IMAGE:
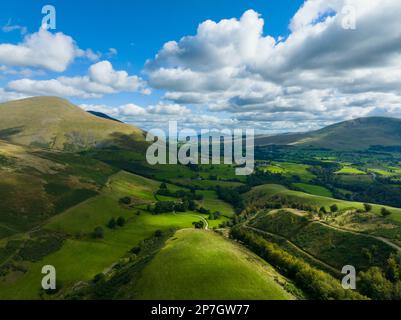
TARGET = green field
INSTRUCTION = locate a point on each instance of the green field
(213, 203)
(350, 170)
(221, 171)
(206, 184)
(312, 189)
(202, 265)
(290, 169)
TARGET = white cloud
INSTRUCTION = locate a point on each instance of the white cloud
(154, 116)
(112, 52)
(103, 73)
(43, 49)
(320, 73)
(7, 96)
(101, 79)
(13, 27)
(168, 109)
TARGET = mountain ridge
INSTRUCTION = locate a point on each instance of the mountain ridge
(357, 134)
(55, 123)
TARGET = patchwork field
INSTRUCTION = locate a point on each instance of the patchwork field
(290, 169)
(350, 170)
(81, 257)
(313, 189)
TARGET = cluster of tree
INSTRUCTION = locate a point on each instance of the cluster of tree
(163, 207)
(382, 284)
(231, 196)
(114, 223)
(214, 215)
(317, 284)
(171, 206)
(198, 224)
(182, 194)
(260, 177)
(203, 210)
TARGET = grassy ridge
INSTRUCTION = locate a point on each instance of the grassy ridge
(335, 247)
(55, 123)
(263, 194)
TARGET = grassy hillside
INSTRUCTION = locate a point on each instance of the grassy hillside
(76, 224)
(202, 265)
(355, 134)
(282, 222)
(331, 245)
(266, 193)
(55, 123)
(37, 184)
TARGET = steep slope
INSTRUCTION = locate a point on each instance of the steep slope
(37, 184)
(358, 134)
(55, 123)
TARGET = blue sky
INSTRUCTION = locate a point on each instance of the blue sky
(137, 29)
(290, 74)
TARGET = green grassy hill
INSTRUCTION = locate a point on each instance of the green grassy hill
(358, 134)
(198, 264)
(55, 123)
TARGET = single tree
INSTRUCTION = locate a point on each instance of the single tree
(98, 233)
(385, 212)
(112, 223)
(368, 207)
(158, 233)
(334, 208)
(121, 221)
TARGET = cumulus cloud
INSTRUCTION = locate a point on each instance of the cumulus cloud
(43, 49)
(102, 79)
(168, 109)
(158, 115)
(320, 72)
(7, 96)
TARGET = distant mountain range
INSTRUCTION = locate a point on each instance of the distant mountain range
(55, 123)
(358, 134)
